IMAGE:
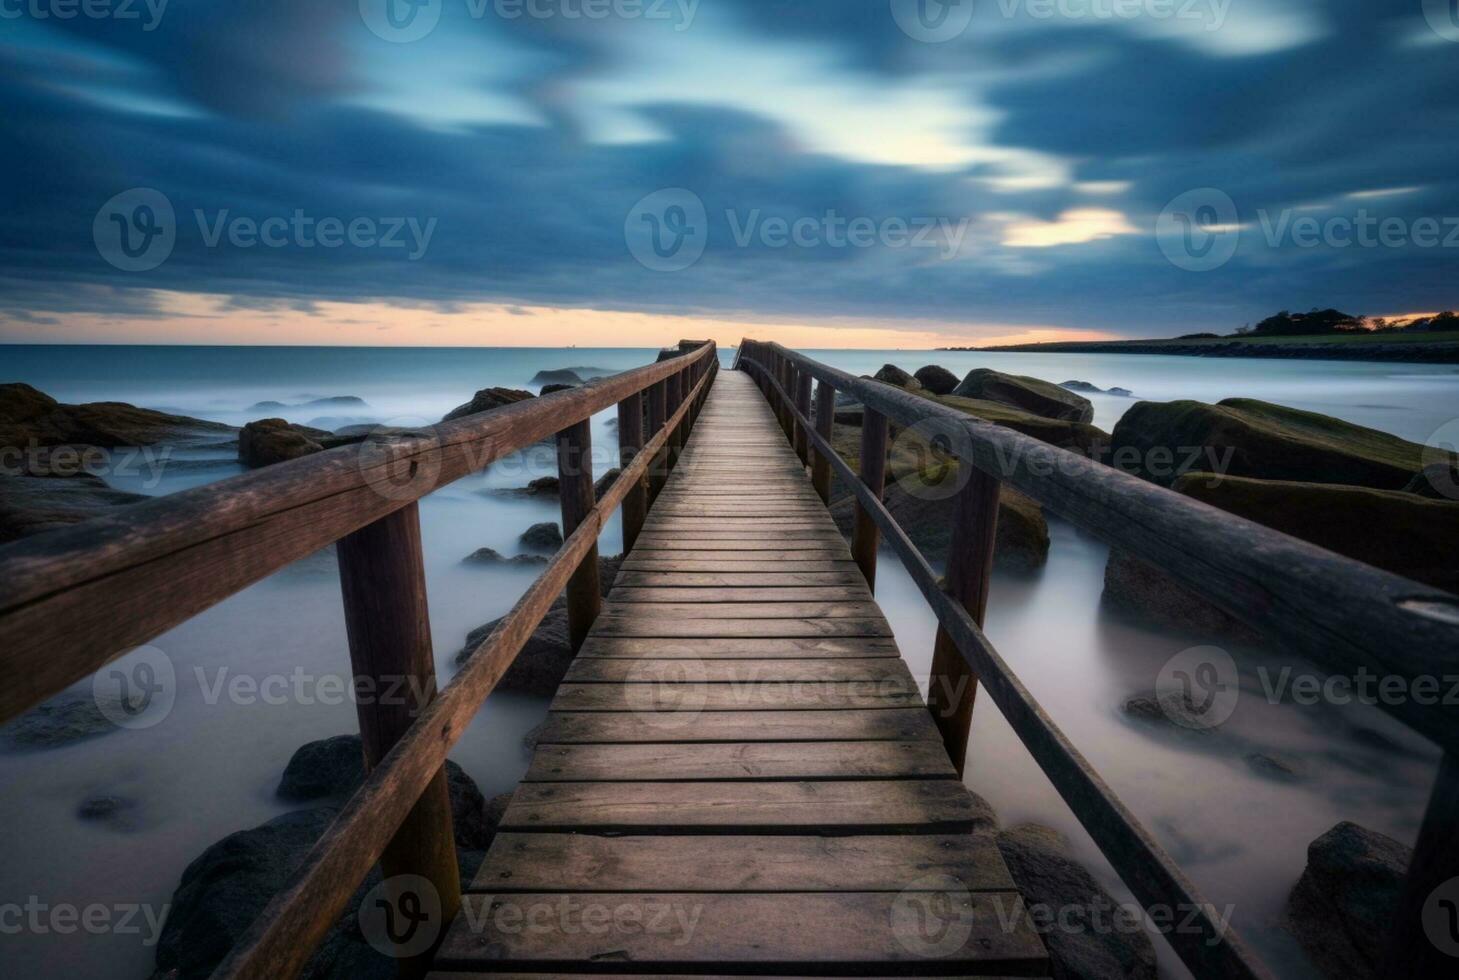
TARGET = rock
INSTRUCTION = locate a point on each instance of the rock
(1121, 392)
(1053, 885)
(938, 380)
(65, 719)
(490, 556)
(33, 504)
(1342, 907)
(117, 812)
(29, 417)
(1022, 542)
(601, 485)
(549, 486)
(893, 375)
(546, 536)
(554, 389)
(487, 399)
(1273, 767)
(333, 768)
(559, 376)
(1266, 441)
(1079, 437)
(338, 401)
(1438, 481)
(269, 441)
(1172, 709)
(1026, 394)
(1403, 533)
(1084, 386)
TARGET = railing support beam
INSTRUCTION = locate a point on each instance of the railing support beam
(630, 443)
(953, 685)
(575, 477)
(802, 405)
(825, 419)
(658, 412)
(865, 535)
(382, 578)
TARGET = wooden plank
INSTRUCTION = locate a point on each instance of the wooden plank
(817, 543)
(815, 593)
(604, 670)
(801, 933)
(735, 580)
(610, 625)
(558, 974)
(720, 562)
(872, 724)
(889, 806)
(749, 648)
(850, 609)
(742, 760)
(695, 696)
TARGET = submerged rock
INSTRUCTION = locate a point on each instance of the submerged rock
(1143, 593)
(65, 719)
(490, 556)
(546, 536)
(602, 483)
(1342, 907)
(1055, 889)
(1273, 767)
(1161, 441)
(487, 399)
(938, 380)
(555, 388)
(1027, 394)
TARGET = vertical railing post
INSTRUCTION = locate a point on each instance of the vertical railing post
(575, 489)
(382, 579)
(658, 405)
(630, 443)
(953, 686)
(787, 386)
(803, 406)
(864, 535)
(825, 418)
(675, 399)
(1412, 951)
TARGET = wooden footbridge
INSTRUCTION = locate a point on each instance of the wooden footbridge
(737, 775)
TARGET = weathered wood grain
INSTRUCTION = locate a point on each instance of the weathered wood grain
(874, 724)
(663, 762)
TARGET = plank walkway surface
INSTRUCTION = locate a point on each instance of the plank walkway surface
(738, 775)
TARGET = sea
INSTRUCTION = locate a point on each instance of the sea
(258, 674)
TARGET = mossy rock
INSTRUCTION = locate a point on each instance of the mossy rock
(1266, 441)
(1025, 394)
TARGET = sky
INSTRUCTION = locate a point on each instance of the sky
(828, 173)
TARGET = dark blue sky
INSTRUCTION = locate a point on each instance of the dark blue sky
(1033, 144)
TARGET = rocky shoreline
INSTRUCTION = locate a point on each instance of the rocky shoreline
(1418, 352)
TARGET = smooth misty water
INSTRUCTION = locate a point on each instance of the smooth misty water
(211, 766)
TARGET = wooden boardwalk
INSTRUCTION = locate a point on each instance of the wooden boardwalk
(738, 775)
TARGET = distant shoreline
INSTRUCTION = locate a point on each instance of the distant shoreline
(1434, 349)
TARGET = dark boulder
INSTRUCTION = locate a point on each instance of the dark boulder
(544, 486)
(1053, 884)
(601, 485)
(546, 536)
(1026, 394)
(269, 441)
(1261, 440)
(487, 399)
(893, 375)
(936, 379)
(29, 417)
(490, 556)
(33, 504)
(557, 376)
(1080, 437)
(1342, 907)
(555, 388)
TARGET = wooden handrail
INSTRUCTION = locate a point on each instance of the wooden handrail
(100, 588)
(1118, 506)
(284, 936)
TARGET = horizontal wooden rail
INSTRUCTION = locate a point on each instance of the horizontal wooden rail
(1340, 613)
(1209, 948)
(97, 589)
(284, 936)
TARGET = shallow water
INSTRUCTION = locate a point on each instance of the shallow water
(210, 767)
